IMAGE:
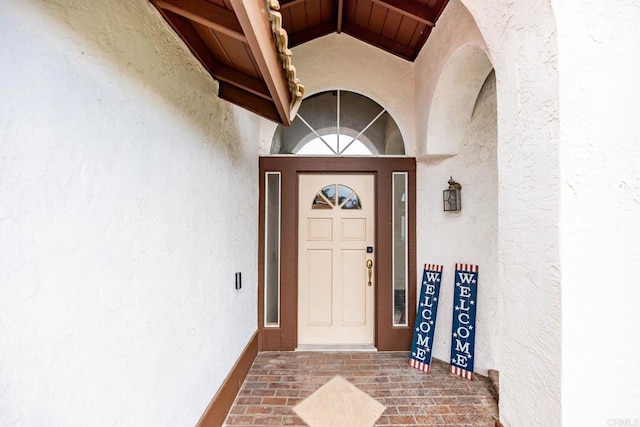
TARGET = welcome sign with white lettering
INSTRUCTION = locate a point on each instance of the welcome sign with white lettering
(464, 320)
(425, 325)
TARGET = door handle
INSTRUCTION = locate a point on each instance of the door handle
(370, 266)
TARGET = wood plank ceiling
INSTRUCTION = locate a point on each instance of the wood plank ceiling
(234, 40)
(400, 27)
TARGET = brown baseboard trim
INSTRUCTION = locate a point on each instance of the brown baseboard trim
(217, 411)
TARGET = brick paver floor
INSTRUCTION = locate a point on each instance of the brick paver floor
(277, 381)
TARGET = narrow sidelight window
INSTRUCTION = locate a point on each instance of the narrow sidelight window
(400, 249)
(272, 250)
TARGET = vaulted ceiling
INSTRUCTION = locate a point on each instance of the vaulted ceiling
(400, 27)
(244, 44)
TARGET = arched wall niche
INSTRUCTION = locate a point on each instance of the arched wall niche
(454, 99)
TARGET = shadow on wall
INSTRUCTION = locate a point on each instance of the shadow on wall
(133, 40)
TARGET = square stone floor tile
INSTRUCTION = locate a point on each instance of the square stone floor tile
(338, 402)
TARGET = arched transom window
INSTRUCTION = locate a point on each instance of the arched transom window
(339, 123)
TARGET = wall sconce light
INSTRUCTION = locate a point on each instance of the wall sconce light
(451, 197)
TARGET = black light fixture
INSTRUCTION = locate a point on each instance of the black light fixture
(451, 197)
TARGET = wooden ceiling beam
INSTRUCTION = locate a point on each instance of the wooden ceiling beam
(300, 37)
(251, 102)
(243, 81)
(218, 71)
(418, 11)
(284, 4)
(254, 20)
(380, 41)
(339, 14)
(208, 14)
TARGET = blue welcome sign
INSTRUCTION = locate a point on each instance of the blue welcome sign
(425, 325)
(464, 320)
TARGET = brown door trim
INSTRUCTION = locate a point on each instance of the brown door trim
(387, 337)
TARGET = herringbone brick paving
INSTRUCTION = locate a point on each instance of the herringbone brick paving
(277, 381)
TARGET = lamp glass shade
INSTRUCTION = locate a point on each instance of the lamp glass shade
(451, 199)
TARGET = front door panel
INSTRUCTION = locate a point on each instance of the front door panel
(336, 223)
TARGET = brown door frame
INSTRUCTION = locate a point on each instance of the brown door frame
(387, 337)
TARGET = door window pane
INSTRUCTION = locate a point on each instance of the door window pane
(330, 193)
(400, 249)
(346, 198)
(321, 202)
(352, 203)
(344, 193)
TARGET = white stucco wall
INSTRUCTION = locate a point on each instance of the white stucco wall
(469, 236)
(523, 52)
(129, 200)
(599, 53)
(459, 143)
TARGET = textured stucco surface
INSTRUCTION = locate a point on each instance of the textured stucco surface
(523, 52)
(129, 199)
(600, 236)
(469, 236)
(457, 128)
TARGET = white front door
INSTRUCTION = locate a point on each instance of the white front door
(336, 224)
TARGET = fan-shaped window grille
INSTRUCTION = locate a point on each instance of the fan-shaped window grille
(336, 195)
(339, 123)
